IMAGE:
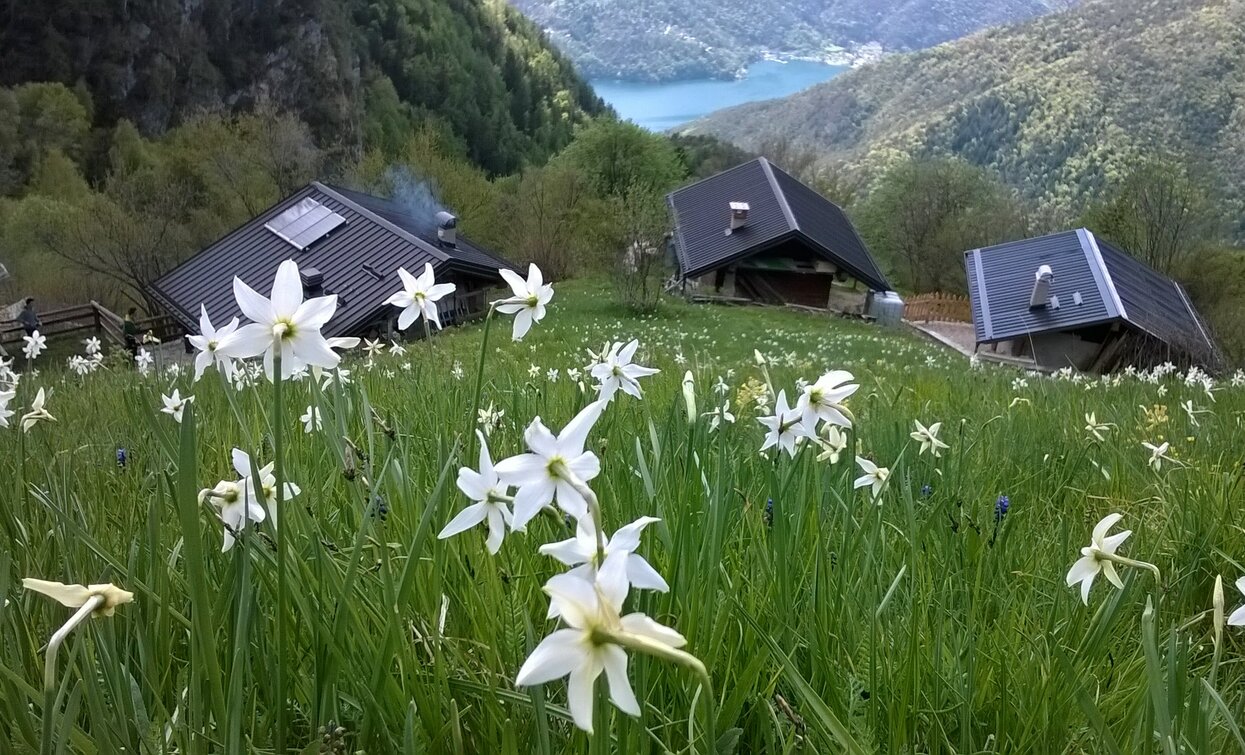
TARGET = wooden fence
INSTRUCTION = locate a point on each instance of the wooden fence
(939, 307)
(93, 318)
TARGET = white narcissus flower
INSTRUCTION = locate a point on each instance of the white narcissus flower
(234, 507)
(208, 343)
(284, 324)
(582, 552)
(311, 420)
(143, 361)
(1157, 454)
(372, 348)
(1093, 558)
(38, 412)
(928, 438)
(874, 477)
(5, 412)
(785, 425)
(419, 296)
(175, 405)
(833, 442)
(76, 596)
(529, 300)
(92, 345)
(35, 344)
(1095, 428)
(823, 400)
(616, 372)
(1237, 619)
(589, 643)
(490, 496)
(719, 414)
(545, 473)
(247, 471)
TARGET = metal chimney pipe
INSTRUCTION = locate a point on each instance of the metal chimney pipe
(447, 229)
(1041, 287)
(739, 216)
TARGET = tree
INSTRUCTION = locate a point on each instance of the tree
(640, 217)
(1158, 213)
(924, 214)
(618, 156)
(130, 235)
(549, 217)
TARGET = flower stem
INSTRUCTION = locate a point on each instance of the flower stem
(594, 509)
(656, 649)
(475, 403)
(49, 666)
(278, 439)
(1158, 578)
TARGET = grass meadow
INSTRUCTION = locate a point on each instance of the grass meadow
(937, 621)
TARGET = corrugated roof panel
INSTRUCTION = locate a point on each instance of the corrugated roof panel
(1154, 302)
(779, 206)
(825, 223)
(252, 252)
(465, 251)
(1008, 270)
(702, 215)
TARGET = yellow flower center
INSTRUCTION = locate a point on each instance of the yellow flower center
(283, 329)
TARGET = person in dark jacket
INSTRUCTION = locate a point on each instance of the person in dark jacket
(28, 318)
(129, 329)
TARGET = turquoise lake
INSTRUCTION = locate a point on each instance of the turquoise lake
(665, 105)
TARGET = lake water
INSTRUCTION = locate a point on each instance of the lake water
(665, 105)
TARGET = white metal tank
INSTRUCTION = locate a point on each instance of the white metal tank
(887, 308)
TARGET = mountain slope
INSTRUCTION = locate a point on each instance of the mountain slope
(1057, 106)
(679, 39)
(477, 65)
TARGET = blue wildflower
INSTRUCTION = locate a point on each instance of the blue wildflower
(769, 513)
(1000, 507)
(122, 457)
(927, 490)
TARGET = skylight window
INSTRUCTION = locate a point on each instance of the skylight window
(305, 223)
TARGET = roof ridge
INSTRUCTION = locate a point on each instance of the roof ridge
(1093, 255)
(768, 168)
(390, 226)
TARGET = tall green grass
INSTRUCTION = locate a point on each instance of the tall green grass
(828, 624)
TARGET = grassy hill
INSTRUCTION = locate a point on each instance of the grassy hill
(678, 39)
(1058, 106)
(932, 617)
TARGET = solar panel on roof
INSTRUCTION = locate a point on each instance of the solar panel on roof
(305, 223)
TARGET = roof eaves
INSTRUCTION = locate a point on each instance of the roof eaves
(432, 251)
(829, 254)
(1102, 274)
(756, 248)
(678, 234)
(782, 198)
(1184, 297)
(175, 309)
(987, 326)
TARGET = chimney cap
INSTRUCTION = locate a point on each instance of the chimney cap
(446, 220)
(739, 207)
(1044, 271)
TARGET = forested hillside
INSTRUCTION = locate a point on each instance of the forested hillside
(680, 39)
(1059, 107)
(350, 70)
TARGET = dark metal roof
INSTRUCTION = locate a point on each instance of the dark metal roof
(780, 208)
(377, 236)
(1155, 303)
(1111, 286)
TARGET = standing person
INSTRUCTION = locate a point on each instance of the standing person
(28, 318)
(129, 329)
